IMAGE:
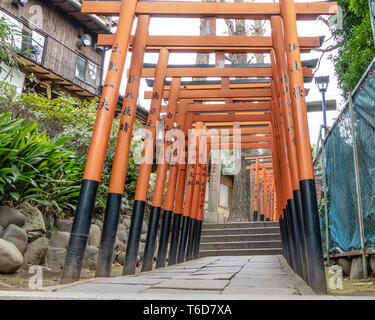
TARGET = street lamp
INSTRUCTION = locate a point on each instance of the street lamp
(322, 84)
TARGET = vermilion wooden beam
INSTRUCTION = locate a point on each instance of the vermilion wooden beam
(212, 72)
(230, 107)
(257, 125)
(212, 43)
(243, 145)
(244, 131)
(264, 165)
(263, 50)
(218, 86)
(245, 139)
(228, 93)
(235, 99)
(258, 157)
(232, 117)
(219, 72)
(232, 10)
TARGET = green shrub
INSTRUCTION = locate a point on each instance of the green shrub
(67, 116)
(34, 168)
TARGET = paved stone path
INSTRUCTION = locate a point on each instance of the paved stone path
(210, 278)
(222, 276)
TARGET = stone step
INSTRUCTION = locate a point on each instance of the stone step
(239, 252)
(232, 225)
(236, 231)
(241, 245)
(241, 237)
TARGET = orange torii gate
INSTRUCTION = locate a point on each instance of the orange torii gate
(292, 165)
(260, 172)
(221, 117)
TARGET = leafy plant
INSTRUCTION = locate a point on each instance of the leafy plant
(8, 50)
(356, 49)
(34, 168)
(60, 118)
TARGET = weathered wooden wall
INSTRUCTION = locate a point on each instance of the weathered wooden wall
(62, 33)
(56, 23)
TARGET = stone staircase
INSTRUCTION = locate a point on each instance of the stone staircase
(240, 239)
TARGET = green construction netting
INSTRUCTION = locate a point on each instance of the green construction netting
(343, 221)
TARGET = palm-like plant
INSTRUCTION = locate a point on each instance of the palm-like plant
(8, 49)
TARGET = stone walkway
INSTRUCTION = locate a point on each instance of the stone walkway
(210, 278)
(223, 276)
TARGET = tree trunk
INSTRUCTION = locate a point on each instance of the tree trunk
(241, 199)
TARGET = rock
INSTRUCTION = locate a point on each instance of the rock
(372, 263)
(121, 258)
(2, 229)
(143, 237)
(126, 222)
(345, 264)
(156, 250)
(11, 216)
(33, 235)
(94, 236)
(99, 224)
(123, 235)
(64, 225)
(59, 239)
(34, 226)
(141, 248)
(121, 227)
(91, 257)
(17, 236)
(35, 252)
(117, 242)
(356, 270)
(10, 257)
(49, 221)
(120, 219)
(144, 227)
(121, 246)
(55, 258)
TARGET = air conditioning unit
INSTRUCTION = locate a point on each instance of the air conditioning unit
(98, 49)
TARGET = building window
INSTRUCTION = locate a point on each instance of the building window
(224, 196)
(91, 75)
(28, 42)
(32, 45)
(80, 68)
(86, 70)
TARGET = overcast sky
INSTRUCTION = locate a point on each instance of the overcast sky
(169, 26)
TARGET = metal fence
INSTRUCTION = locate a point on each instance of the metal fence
(345, 174)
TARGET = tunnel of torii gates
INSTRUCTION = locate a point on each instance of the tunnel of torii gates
(266, 112)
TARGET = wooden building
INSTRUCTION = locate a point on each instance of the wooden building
(57, 44)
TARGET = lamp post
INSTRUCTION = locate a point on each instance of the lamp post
(322, 84)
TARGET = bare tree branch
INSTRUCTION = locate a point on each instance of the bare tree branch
(318, 65)
(329, 48)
